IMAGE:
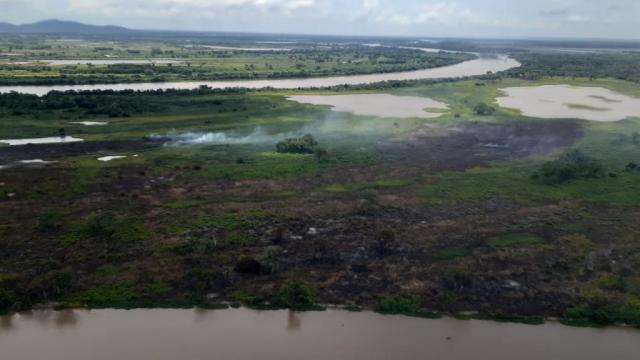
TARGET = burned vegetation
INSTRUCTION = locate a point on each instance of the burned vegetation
(485, 215)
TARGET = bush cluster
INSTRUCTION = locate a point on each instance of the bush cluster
(303, 145)
(573, 165)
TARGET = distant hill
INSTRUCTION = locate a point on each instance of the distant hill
(6, 27)
(61, 27)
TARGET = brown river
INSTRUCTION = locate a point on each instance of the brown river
(239, 334)
(478, 66)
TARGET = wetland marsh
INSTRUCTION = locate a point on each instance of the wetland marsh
(570, 102)
(379, 105)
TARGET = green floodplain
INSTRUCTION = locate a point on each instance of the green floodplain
(39, 60)
(219, 199)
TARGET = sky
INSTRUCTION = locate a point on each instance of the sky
(618, 19)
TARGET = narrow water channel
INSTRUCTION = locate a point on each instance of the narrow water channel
(478, 66)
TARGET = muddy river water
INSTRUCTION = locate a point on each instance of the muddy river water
(281, 335)
(382, 105)
(563, 101)
(478, 66)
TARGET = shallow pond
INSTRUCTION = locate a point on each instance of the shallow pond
(280, 335)
(45, 140)
(111, 157)
(381, 105)
(563, 101)
(35, 161)
(478, 66)
(90, 123)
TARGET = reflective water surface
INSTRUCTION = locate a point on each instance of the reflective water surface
(564, 101)
(382, 105)
(280, 335)
(45, 140)
(468, 68)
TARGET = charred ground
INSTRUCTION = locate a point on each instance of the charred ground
(444, 216)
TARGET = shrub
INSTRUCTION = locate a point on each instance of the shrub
(452, 254)
(297, 296)
(116, 296)
(303, 145)
(353, 307)
(240, 239)
(457, 279)
(612, 283)
(404, 305)
(587, 317)
(196, 245)
(321, 155)
(398, 305)
(592, 316)
(59, 281)
(201, 281)
(158, 288)
(49, 222)
(111, 228)
(251, 301)
(501, 317)
(7, 300)
(483, 109)
(271, 259)
(573, 165)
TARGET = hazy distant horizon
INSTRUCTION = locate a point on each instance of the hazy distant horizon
(293, 34)
(497, 19)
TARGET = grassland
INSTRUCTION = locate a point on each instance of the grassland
(413, 216)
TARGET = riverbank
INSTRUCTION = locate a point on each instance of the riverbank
(480, 66)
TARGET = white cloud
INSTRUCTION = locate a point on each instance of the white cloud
(445, 13)
(370, 4)
(614, 18)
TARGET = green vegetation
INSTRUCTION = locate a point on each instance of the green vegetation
(353, 308)
(297, 296)
(178, 59)
(452, 254)
(522, 319)
(405, 305)
(108, 228)
(292, 295)
(573, 165)
(515, 183)
(116, 296)
(303, 145)
(618, 65)
(483, 109)
(598, 317)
